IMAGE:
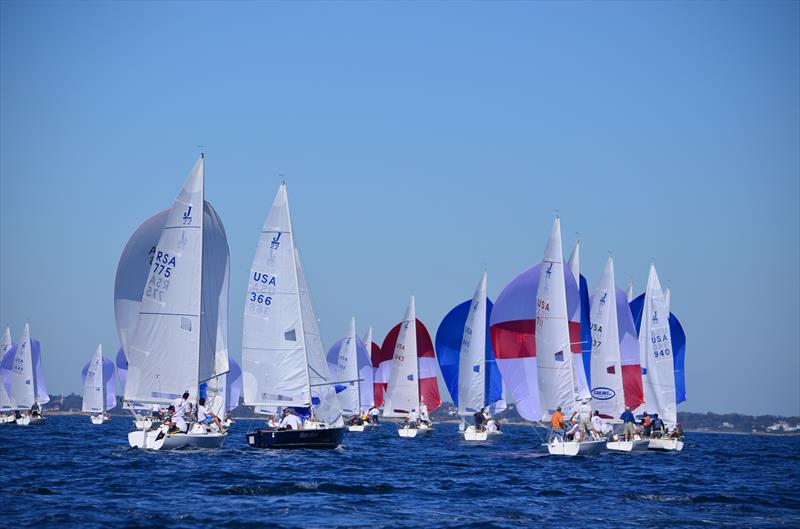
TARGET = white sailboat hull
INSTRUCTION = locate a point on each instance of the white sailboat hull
(7, 419)
(98, 419)
(145, 423)
(471, 435)
(422, 429)
(148, 439)
(357, 427)
(23, 421)
(666, 445)
(628, 446)
(574, 448)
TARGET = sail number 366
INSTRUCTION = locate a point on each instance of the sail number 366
(260, 298)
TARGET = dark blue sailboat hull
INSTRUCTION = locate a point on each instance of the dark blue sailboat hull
(327, 438)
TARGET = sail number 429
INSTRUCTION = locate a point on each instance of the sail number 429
(260, 298)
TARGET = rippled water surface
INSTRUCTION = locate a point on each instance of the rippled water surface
(70, 473)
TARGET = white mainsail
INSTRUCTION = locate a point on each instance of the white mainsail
(274, 365)
(175, 343)
(607, 390)
(472, 358)
(553, 353)
(347, 371)
(323, 392)
(23, 383)
(402, 394)
(6, 404)
(578, 370)
(629, 293)
(655, 350)
(94, 394)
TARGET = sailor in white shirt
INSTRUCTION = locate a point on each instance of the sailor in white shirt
(584, 413)
(182, 408)
(374, 415)
(290, 421)
(423, 414)
(412, 418)
(204, 416)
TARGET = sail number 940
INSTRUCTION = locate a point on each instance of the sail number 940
(260, 298)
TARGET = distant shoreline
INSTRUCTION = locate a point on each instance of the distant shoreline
(393, 420)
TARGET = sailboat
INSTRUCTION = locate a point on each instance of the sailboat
(412, 381)
(99, 394)
(179, 340)
(580, 326)
(23, 376)
(559, 381)
(283, 361)
(616, 373)
(6, 404)
(662, 347)
(466, 359)
(349, 362)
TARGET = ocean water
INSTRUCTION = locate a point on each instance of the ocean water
(70, 473)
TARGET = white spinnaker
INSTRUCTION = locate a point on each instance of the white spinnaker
(553, 353)
(607, 391)
(347, 371)
(319, 376)
(213, 358)
(655, 349)
(132, 274)
(402, 394)
(23, 391)
(629, 293)
(472, 359)
(6, 404)
(164, 355)
(578, 372)
(274, 366)
(666, 301)
(94, 395)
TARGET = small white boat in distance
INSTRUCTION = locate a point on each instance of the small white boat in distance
(409, 432)
(666, 445)
(558, 447)
(98, 387)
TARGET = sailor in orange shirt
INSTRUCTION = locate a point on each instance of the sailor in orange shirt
(557, 422)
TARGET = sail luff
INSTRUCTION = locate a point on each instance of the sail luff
(6, 404)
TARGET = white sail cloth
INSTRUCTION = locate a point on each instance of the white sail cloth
(655, 349)
(6, 404)
(173, 348)
(402, 394)
(472, 360)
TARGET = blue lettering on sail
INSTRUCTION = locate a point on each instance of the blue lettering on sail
(603, 393)
(187, 216)
(275, 243)
(476, 368)
(410, 377)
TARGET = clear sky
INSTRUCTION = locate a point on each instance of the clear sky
(421, 142)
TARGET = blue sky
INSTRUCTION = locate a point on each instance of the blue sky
(421, 142)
